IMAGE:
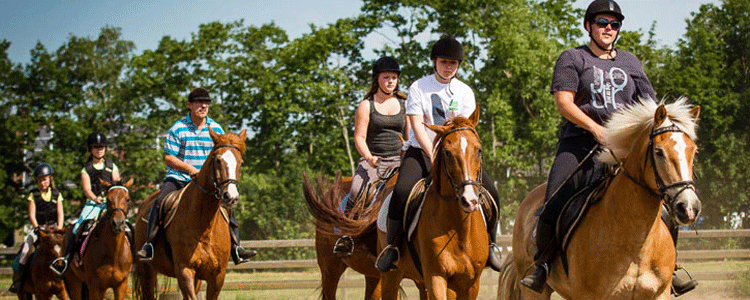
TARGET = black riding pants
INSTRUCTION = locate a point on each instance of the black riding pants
(570, 153)
(415, 166)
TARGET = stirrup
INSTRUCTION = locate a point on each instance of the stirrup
(59, 270)
(380, 257)
(538, 284)
(146, 253)
(687, 285)
(344, 246)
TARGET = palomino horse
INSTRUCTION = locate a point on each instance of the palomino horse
(43, 282)
(451, 238)
(323, 202)
(195, 245)
(108, 256)
(653, 144)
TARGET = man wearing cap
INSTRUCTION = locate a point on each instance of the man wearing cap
(186, 147)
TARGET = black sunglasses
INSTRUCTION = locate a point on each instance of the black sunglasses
(603, 23)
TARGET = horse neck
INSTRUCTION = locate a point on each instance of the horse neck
(202, 203)
(445, 204)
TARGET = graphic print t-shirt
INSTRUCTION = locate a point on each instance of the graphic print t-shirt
(601, 86)
(438, 102)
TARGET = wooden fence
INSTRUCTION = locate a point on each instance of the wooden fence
(504, 241)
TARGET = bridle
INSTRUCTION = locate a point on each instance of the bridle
(217, 185)
(112, 211)
(662, 194)
(458, 186)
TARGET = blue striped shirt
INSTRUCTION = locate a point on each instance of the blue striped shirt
(189, 145)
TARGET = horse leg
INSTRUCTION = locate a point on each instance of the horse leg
(121, 290)
(437, 287)
(74, 286)
(372, 288)
(331, 269)
(96, 292)
(213, 288)
(186, 281)
(390, 282)
(148, 281)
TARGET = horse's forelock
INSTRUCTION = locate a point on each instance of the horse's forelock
(633, 121)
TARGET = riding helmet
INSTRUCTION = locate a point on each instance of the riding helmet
(43, 169)
(199, 94)
(447, 47)
(384, 64)
(97, 139)
(602, 7)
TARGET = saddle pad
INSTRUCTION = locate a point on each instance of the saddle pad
(411, 217)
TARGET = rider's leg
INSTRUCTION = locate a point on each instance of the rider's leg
(679, 286)
(147, 251)
(344, 246)
(561, 185)
(493, 259)
(239, 254)
(414, 167)
(91, 210)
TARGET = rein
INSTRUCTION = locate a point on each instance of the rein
(457, 186)
(217, 185)
(662, 194)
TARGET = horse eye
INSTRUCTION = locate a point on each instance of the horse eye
(659, 152)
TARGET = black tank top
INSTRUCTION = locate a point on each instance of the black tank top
(46, 212)
(384, 133)
(94, 175)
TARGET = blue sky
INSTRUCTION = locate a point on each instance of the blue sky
(146, 22)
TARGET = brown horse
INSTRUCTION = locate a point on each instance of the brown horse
(451, 238)
(108, 256)
(322, 201)
(195, 245)
(653, 144)
(44, 282)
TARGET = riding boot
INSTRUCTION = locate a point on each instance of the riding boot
(147, 251)
(679, 286)
(493, 259)
(545, 235)
(390, 254)
(18, 280)
(239, 254)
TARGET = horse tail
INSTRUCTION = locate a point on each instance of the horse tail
(508, 286)
(323, 199)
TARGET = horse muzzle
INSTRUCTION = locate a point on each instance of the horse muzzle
(469, 199)
(230, 196)
(686, 207)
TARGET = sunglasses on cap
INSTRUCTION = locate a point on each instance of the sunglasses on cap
(602, 22)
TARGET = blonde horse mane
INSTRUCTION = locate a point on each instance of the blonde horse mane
(631, 122)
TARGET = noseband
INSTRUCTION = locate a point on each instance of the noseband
(458, 186)
(217, 185)
(662, 194)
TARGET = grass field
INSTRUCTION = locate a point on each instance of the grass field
(707, 289)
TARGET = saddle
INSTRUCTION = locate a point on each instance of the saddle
(81, 241)
(575, 209)
(168, 209)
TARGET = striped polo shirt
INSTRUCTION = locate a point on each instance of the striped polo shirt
(189, 145)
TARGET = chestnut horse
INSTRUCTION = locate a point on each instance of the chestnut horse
(195, 245)
(451, 238)
(322, 201)
(108, 256)
(43, 282)
(653, 144)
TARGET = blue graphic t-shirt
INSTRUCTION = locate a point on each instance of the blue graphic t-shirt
(601, 86)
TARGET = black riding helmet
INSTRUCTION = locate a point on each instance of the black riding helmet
(603, 7)
(447, 47)
(97, 139)
(199, 94)
(43, 169)
(385, 64)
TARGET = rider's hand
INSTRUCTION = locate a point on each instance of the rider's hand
(372, 160)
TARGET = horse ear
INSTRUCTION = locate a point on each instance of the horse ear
(474, 118)
(129, 183)
(105, 183)
(214, 136)
(695, 112)
(243, 135)
(660, 115)
(438, 129)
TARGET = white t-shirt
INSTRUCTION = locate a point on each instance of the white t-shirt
(438, 102)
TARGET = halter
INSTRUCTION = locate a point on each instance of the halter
(476, 183)
(217, 185)
(662, 194)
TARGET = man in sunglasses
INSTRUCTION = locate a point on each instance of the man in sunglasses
(589, 83)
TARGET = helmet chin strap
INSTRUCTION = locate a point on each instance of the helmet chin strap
(612, 47)
(441, 76)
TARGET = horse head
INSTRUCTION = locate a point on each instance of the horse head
(672, 153)
(49, 246)
(458, 157)
(118, 201)
(224, 164)
(662, 140)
